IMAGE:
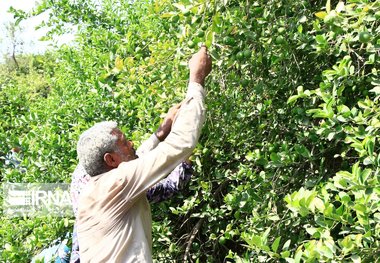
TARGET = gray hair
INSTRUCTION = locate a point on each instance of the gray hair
(94, 143)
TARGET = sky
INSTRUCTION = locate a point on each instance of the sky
(30, 36)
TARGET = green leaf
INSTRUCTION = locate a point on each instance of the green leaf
(331, 136)
(276, 243)
(298, 256)
(275, 157)
(285, 254)
(368, 161)
(371, 59)
(321, 39)
(375, 90)
(300, 29)
(167, 15)
(356, 170)
(344, 197)
(302, 150)
(360, 208)
(321, 14)
(250, 156)
(119, 64)
(364, 176)
(180, 6)
(254, 241)
(340, 7)
(317, 113)
(344, 110)
(319, 204)
(292, 99)
(356, 259)
(345, 174)
(370, 145)
(311, 230)
(286, 245)
(216, 23)
(328, 6)
(209, 38)
(327, 252)
(357, 146)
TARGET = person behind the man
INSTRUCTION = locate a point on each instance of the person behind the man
(114, 218)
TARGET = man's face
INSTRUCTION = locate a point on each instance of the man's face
(125, 151)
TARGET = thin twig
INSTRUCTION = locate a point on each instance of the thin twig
(194, 232)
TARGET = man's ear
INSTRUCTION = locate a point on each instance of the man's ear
(111, 160)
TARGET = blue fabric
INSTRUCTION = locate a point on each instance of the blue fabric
(59, 253)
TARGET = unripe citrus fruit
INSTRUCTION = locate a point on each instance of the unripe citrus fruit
(240, 55)
(279, 40)
(201, 34)
(191, 44)
(229, 41)
(247, 53)
(364, 37)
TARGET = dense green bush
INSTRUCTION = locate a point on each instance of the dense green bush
(287, 168)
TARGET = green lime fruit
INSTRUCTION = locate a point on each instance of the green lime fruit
(229, 41)
(281, 30)
(247, 53)
(364, 37)
(191, 44)
(222, 240)
(195, 245)
(240, 55)
(201, 34)
(279, 40)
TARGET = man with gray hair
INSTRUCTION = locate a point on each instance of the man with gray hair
(114, 219)
(94, 143)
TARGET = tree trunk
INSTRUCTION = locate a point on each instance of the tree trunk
(14, 57)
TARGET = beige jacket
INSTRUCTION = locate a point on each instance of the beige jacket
(114, 218)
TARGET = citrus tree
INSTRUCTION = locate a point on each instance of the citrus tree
(287, 166)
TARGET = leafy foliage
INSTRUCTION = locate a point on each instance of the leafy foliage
(288, 162)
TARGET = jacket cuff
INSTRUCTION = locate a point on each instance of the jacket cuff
(195, 90)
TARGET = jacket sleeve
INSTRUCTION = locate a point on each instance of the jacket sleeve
(148, 145)
(142, 173)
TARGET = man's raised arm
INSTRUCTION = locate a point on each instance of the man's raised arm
(183, 137)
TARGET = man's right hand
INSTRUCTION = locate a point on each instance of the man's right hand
(200, 66)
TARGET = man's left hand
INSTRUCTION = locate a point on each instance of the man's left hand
(166, 125)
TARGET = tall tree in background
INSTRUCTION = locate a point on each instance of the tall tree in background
(13, 33)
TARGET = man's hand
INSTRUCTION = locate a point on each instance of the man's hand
(200, 66)
(166, 125)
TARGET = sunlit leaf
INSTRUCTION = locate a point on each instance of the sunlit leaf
(321, 14)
